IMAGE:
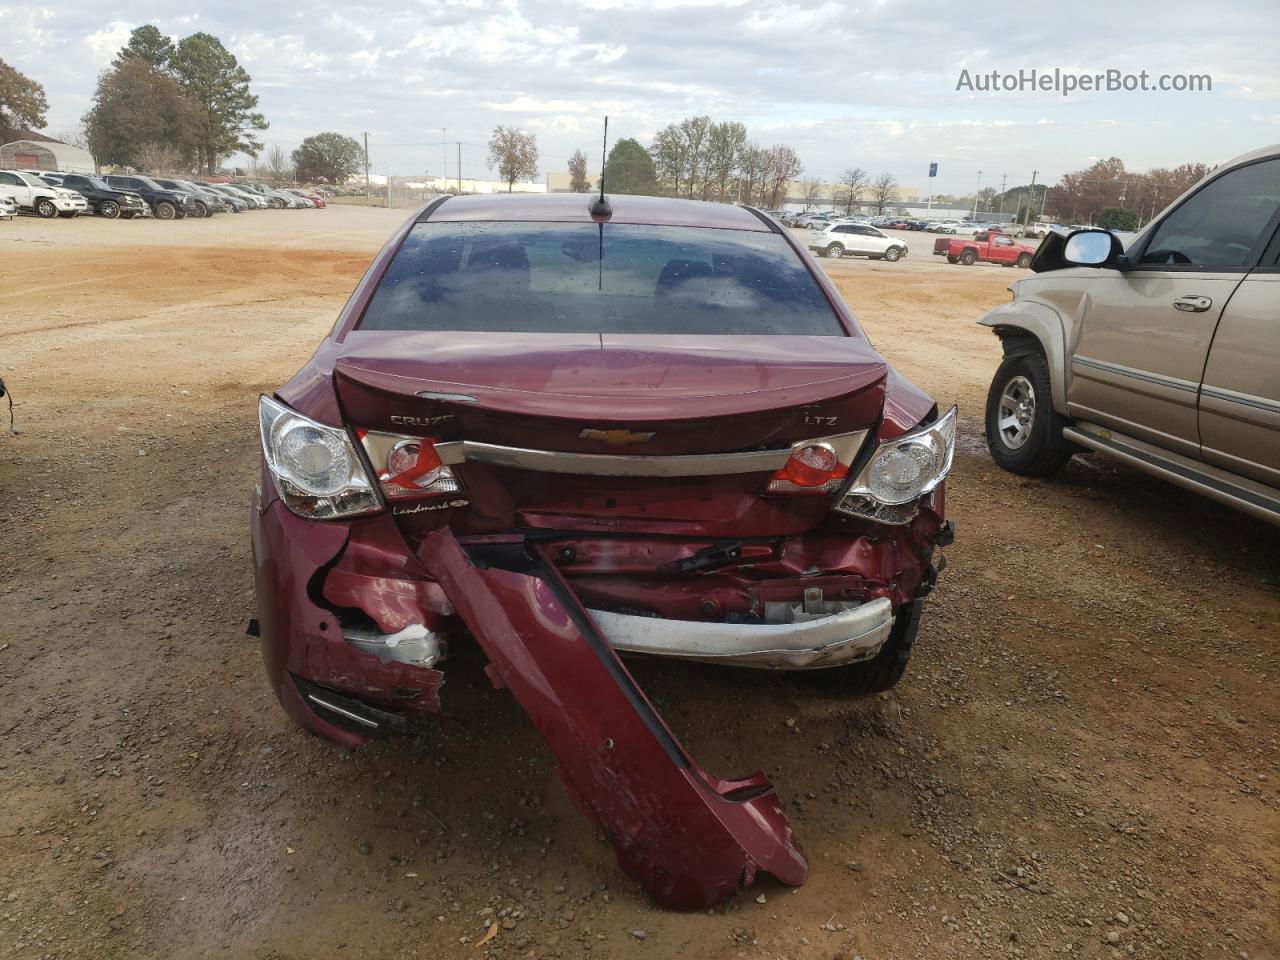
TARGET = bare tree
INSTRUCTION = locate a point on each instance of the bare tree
(883, 191)
(578, 181)
(753, 163)
(725, 144)
(157, 158)
(853, 183)
(811, 189)
(277, 164)
(783, 167)
(514, 153)
(77, 136)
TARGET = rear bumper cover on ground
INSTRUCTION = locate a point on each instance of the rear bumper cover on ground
(688, 837)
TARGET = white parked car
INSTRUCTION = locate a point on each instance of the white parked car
(8, 207)
(847, 239)
(33, 194)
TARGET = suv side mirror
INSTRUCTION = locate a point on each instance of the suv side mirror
(1093, 248)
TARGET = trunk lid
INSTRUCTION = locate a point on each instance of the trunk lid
(619, 395)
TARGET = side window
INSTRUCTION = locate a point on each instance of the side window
(1221, 224)
(9, 180)
(844, 230)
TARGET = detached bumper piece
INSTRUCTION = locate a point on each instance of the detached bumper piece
(691, 839)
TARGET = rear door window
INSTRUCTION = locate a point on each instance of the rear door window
(598, 278)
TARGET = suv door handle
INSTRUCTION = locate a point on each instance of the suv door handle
(1192, 304)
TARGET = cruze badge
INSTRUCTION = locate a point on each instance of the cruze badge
(617, 438)
(419, 421)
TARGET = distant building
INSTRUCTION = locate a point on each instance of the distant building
(454, 185)
(561, 181)
(38, 152)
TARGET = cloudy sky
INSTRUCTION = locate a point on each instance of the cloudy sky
(846, 83)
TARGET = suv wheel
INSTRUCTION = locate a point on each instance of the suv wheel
(835, 251)
(165, 210)
(109, 209)
(276, 203)
(969, 257)
(201, 211)
(893, 253)
(1024, 432)
(46, 209)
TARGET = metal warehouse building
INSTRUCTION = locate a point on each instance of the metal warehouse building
(42, 153)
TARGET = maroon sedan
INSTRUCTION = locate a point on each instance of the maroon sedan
(565, 431)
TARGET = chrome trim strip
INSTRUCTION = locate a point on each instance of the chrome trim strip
(340, 711)
(1247, 399)
(1162, 381)
(454, 452)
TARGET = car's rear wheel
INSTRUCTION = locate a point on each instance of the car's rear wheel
(109, 209)
(45, 208)
(835, 251)
(200, 211)
(893, 253)
(969, 257)
(165, 210)
(952, 258)
(1024, 432)
(1024, 260)
(879, 673)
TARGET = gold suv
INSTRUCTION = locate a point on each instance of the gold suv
(1165, 355)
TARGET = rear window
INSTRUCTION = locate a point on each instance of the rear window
(597, 278)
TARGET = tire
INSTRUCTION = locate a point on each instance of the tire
(201, 211)
(952, 258)
(835, 251)
(1024, 260)
(1024, 432)
(969, 257)
(882, 671)
(45, 208)
(165, 210)
(893, 254)
(276, 203)
(109, 209)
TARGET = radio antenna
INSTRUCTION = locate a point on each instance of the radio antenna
(600, 207)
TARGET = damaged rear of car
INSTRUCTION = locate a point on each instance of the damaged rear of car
(563, 434)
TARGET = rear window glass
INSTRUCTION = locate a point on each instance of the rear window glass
(597, 278)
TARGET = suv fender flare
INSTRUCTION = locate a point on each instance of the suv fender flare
(1025, 324)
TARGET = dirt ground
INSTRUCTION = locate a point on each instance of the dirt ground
(1083, 761)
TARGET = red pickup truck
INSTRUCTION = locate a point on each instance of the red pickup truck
(991, 246)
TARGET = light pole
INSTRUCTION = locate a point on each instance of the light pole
(974, 214)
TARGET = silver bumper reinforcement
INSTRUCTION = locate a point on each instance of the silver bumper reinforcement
(830, 641)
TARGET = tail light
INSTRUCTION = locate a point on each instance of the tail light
(408, 467)
(813, 467)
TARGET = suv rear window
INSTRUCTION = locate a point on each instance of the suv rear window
(598, 278)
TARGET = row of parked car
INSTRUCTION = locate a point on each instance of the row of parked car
(948, 225)
(119, 196)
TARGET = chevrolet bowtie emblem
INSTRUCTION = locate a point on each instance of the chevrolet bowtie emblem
(616, 438)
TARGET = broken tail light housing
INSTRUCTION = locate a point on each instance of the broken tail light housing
(316, 468)
(901, 471)
(408, 467)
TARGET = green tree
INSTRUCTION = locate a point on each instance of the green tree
(578, 182)
(1118, 218)
(218, 86)
(725, 144)
(22, 103)
(629, 169)
(137, 105)
(149, 44)
(514, 153)
(327, 158)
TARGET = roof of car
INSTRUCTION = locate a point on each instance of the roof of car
(574, 208)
